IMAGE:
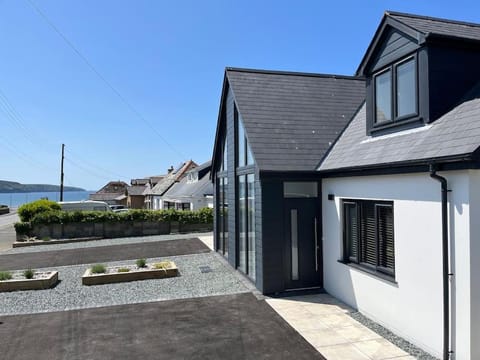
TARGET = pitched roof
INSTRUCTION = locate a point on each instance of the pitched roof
(136, 190)
(291, 119)
(176, 175)
(105, 196)
(456, 133)
(185, 190)
(436, 26)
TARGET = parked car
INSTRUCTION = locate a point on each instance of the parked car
(117, 207)
(87, 205)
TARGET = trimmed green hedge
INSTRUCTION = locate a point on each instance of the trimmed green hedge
(202, 216)
(27, 212)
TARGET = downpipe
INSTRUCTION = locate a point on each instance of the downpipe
(445, 263)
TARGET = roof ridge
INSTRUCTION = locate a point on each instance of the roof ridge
(293, 73)
(431, 18)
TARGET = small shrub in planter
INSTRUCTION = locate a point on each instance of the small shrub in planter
(29, 273)
(123, 270)
(98, 269)
(23, 228)
(141, 263)
(5, 275)
(162, 265)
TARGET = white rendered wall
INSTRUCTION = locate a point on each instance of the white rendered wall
(411, 307)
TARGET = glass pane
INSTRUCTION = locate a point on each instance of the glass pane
(225, 216)
(220, 244)
(249, 154)
(383, 97)
(406, 89)
(351, 231)
(241, 143)
(251, 224)
(386, 256)
(242, 225)
(369, 243)
(300, 189)
(224, 160)
(294, 241)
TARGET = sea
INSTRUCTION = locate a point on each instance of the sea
(14, 200)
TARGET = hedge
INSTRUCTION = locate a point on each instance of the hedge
(202, 216)
(27, 212)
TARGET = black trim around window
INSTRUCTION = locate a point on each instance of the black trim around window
(393, 118)
(368, 236)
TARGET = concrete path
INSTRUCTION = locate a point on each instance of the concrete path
(7, 232)
(324, 322)
(102, 254)
(219, 327)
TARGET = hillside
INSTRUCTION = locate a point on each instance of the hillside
(15, 187)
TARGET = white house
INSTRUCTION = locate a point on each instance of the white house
(389, 220)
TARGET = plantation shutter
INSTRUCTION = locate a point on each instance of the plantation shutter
(369, 243)
(351, 231)
(386, 256)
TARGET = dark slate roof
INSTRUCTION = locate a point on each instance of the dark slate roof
(185, 190)
(291, 119)
(435, 26)
(456, 133)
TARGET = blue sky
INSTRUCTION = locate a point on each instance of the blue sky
(166, 59)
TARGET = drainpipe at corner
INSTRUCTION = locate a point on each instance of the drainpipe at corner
(445, 262)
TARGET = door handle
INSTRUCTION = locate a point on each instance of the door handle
(316, 244)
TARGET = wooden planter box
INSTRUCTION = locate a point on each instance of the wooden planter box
(133, 275)
(46, 282)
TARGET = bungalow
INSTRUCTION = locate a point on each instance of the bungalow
(391, 226)
(193, 192)
(153, 196)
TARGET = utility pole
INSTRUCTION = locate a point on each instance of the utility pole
(61, 173)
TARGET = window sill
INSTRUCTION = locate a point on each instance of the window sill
(382, 276)
(394, 124)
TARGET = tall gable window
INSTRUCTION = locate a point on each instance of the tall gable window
(245, 156)
(368, 239)
(395, 91)
(245, 196)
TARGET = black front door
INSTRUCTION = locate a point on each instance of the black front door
(302, 243)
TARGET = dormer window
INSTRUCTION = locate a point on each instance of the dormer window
(396, 92)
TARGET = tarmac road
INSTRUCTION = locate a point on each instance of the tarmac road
(7, 232)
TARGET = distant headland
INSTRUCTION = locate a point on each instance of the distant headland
(15, 187)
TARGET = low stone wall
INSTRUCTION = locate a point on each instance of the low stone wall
(112, 230)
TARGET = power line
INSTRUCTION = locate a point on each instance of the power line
(90, 65)
(103, 170)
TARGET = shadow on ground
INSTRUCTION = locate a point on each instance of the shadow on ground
(218, 327)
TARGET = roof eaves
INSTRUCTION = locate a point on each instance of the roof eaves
(292, 73)
(387, 20)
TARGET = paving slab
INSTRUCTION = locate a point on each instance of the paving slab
(219, 327)
(102, 254)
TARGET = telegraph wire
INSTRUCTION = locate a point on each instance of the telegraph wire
(103, 170)
(101, 77)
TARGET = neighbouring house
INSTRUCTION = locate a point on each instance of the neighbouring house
(153, 195)
(194, 191)
(113, 193)
(388, 221)
(135, 197)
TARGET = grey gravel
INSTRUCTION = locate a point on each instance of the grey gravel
(103, 242)
(394, 339)
(70, 294)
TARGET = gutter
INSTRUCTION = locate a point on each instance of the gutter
(445, 262)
